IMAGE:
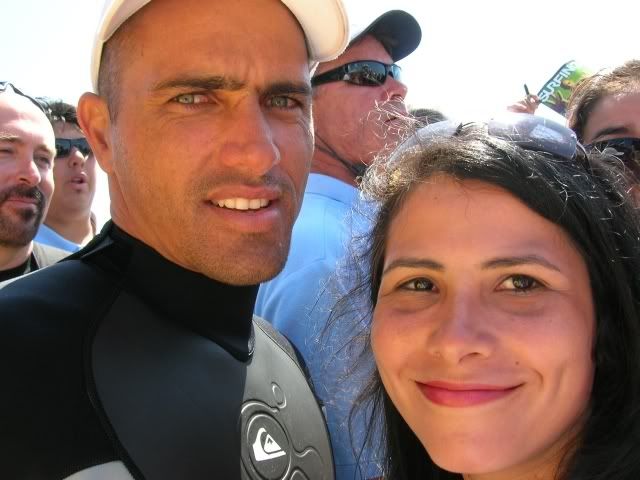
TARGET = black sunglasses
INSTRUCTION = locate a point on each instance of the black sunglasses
(64, 146)
(626, 149)
(38, 103)
(365, 73)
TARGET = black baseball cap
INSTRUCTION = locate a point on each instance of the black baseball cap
(398, 31)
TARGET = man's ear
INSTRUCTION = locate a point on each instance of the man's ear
(94, 119)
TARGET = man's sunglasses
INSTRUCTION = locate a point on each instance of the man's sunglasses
(42, 106)
(626, 149)
(64, 146)
(365, 73)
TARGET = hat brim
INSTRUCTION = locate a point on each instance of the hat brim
(324, 23)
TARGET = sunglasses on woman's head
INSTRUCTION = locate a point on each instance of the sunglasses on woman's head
(64, 146)
(364, 73)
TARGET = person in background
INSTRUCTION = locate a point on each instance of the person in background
(69, 223)
(604, 111)
(606, 105)
(358, 113)
(27, 149)
(139, 356)
(502, 279)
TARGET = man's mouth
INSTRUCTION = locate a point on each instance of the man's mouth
(243, 203)
(78, 179)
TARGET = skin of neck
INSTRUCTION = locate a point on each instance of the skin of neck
(327, 165)
(11, 257)
(75, 228)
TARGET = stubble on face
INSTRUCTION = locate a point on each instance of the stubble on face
(17, 230)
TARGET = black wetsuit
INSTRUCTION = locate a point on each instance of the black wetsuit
(121, 363)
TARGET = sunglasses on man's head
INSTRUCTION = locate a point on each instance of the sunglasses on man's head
(4, 86)
(365, 73)
(64, 146)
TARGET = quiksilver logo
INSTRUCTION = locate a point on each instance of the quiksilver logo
(266, 448)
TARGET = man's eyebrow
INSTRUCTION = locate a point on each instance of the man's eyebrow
(217, 82)
(11, 138)
(517, 261)
(288, 88)
(412, 262)
(611, 131)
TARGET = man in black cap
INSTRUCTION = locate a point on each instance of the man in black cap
(358, 105)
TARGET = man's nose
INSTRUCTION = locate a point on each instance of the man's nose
(396, 90)
(251, 146)
(27, 170)
(76, 158)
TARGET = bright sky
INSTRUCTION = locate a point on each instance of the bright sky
(474, 58)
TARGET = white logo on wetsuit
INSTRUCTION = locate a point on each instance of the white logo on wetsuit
(267, 450)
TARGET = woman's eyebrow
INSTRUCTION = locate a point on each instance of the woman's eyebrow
(616, 130)
(503, 262)
(413, 262)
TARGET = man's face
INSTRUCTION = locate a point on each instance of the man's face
(345, 115)
(27, 148)
(74, 175)
(210, 149)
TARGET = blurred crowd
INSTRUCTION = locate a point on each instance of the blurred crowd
(391, 292)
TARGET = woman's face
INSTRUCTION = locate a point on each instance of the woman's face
(615, 116)
(483, 331)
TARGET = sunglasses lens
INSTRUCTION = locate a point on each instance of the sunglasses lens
(626, 149)
(63, 148)
(394, 71)
(83, 146)
(367, 73)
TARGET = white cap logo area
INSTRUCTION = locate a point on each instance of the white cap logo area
(265, 447)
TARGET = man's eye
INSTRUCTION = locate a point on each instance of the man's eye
(190, 98)
(519, 283)
(419, 284)
(44, 161)
(283, 102)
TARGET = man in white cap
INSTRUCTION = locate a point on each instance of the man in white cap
(358, 110)
(139, 357)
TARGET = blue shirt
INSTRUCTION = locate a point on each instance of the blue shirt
(298, 301)
(50, 237)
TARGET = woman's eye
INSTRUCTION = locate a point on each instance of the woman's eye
(419, 284)
(519, 283)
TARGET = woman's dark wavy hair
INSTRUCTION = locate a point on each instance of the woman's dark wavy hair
(587, 199)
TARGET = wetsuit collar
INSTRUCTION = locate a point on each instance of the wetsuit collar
(213, 309)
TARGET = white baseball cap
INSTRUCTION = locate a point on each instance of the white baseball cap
(324, 23)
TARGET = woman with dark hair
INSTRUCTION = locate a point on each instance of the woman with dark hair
(502, 277)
